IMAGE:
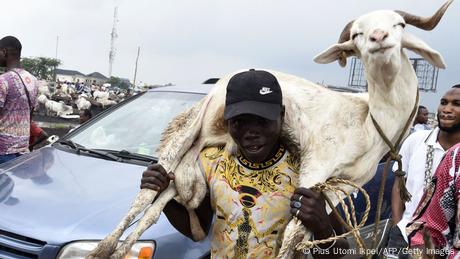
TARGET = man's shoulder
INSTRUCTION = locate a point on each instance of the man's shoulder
(454, 150)
(420, 126)
(27, 75)
(6, 76)
(419, 135)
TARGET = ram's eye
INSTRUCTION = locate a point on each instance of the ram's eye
(403, 25)
(356, 35)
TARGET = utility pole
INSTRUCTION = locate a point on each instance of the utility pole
(56, 57)
(113, 36)
(135, 69)
(57, 44)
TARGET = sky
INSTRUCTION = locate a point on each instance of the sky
(186, 42)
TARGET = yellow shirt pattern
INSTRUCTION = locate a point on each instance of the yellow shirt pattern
(251, 202)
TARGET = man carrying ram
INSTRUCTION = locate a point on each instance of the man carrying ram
(253, 190)
(370, 126)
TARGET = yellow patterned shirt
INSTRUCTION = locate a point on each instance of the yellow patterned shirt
(251, 202)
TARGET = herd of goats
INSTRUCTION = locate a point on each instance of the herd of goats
(65, 99)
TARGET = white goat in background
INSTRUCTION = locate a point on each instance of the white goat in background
(82, 102)
(53, 107)
(43, 88)
(333, 131)
(100, 95)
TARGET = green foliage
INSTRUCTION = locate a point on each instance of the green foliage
(119, 82)
(41, 67)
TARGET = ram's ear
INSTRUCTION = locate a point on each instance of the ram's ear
(339, 51)
(418, 46)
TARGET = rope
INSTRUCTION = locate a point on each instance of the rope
(399, 173)
(380, 201)
(350, 221)
(394, 151)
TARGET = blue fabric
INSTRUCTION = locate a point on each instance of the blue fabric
(6, 158)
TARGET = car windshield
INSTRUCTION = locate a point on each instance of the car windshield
(136, 126)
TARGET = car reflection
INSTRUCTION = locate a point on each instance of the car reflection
(6, 188)
(35, 167)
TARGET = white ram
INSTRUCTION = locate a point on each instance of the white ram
(55, 108)
(334, 131)
(82, 102)
(43, 88)
(100, 95)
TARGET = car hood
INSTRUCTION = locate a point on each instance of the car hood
(58, 196)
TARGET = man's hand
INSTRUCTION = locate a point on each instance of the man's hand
(156, 178)
(309, 207)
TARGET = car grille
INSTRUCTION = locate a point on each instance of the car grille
(17, 246)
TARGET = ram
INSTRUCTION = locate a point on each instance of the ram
(335, 134)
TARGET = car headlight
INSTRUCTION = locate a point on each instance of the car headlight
(79, 249)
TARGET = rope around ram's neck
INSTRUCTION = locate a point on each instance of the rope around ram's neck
(399, 173)
(350, 222)
(394, 151)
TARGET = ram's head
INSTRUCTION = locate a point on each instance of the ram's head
(379, 37)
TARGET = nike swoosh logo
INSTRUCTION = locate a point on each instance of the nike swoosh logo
(265, 92)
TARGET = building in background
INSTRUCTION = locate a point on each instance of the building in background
(96, 78)
(64, 75)
(72, 76)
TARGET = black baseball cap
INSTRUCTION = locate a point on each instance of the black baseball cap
(253, 92)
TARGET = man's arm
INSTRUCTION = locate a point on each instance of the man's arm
(3, 92)
(312, 213)
(332, 250)
(397, 205)
(40, 138)
(156, 178)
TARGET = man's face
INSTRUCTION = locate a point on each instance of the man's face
(422, 116)
(449, 111)
(257, 138)
(83, 118)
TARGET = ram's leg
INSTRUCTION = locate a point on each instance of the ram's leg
(200, 189)
(150, 217)
(106, 247)
(186, 173)
(191, 187)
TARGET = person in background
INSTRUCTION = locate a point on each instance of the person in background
(421, 120)
(18, 97)
(421, 153)
(85, 115)
(252, 191)
(438, 213)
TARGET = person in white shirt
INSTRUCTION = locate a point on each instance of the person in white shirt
(421, 120)
(421, 153)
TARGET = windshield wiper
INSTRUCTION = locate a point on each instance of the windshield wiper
(80, 148)
(70, 143)
(129, 155)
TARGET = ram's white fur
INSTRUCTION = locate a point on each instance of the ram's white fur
(100, 95)
(333, 132)
(82, 102)
(53, 107)
(43, 88)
